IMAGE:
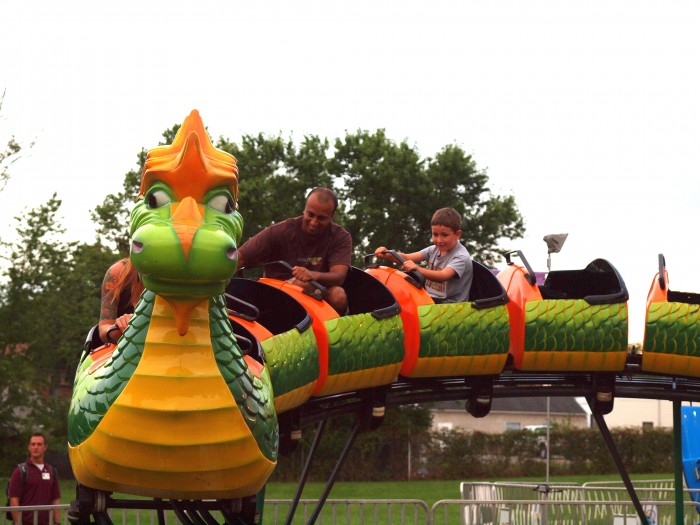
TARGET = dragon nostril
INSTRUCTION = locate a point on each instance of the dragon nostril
(231, 253)
(136, 246)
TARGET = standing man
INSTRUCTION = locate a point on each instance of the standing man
(316, 248)
(35, 483)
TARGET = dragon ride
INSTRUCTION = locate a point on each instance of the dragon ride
(185, 406)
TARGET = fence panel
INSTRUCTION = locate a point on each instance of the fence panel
(533, 512)
(493, 504)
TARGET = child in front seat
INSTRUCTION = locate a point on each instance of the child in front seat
(448, 276)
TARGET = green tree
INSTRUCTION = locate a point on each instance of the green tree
(377, 455)
(112, 216)
(456, 182)
(9, 155)
(307, 167)
(18, 394)
(275, 176)
(384, 188)
(387, 192)
(391, 194)
(49, 299)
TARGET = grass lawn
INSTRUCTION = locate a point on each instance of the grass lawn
(426, 491)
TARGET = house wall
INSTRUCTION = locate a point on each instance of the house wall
(497, 422)
(628, 412)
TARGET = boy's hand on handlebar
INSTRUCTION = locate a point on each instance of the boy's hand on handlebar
(409, 266)
(381, 252)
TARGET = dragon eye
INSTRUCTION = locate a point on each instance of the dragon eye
(221, 203)
(158, 198)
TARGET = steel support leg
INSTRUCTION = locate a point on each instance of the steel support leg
(334, 474)
(605, 432)
(305, 472)
(678, 461)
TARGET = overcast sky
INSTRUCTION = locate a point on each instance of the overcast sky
(587, 112)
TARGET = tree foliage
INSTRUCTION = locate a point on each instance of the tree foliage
(112, 216)
(50, 298)
(9, 155)
(458, 454)
(50, 291)
(274, 177)
(377, 455)
(387, 192)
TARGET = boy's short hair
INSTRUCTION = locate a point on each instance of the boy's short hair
(447, 217)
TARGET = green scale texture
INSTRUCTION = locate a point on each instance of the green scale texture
(459, 329)
(673, 328)
(253, 396)
(357, 342)
(573, 324)
(292, 359)
(94, 394)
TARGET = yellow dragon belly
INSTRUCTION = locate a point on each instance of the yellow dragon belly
(176, 427)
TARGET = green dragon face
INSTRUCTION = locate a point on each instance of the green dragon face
(185, 229)
(185, 248)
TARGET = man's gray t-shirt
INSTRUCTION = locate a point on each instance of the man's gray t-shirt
(455, 290)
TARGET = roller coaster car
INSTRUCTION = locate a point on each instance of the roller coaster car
(450, 339)
(575, 321)
(281, 328)
(672, 330)
(360, 350)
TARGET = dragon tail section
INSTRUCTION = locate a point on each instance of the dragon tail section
(672, 329)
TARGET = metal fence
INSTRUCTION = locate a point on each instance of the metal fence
(34, 510)
(571, 504)
(334, 512)
(523, 512)
(481, 504)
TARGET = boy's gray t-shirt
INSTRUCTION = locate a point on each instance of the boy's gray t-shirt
(455, 290)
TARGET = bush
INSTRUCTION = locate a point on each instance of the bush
(458, 454)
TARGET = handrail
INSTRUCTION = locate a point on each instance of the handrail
(662, 271)
(530, 275)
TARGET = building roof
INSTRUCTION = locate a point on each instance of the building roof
(557, 405)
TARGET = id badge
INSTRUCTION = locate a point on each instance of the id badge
(45, 475)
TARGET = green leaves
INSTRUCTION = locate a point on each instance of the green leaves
(9, 155)
(50, 288)
(50, 295)
(112, 216)
(387, 192)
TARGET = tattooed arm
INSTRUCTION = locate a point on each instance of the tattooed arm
(108, 308)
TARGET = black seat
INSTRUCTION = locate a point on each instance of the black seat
(597, 283)
(486, 290)
(367, 295)
(93, 340)
(247, 342)
(276, 310)
(683, 297)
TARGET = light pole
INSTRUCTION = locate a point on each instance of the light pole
(554, 241)
(546, 478)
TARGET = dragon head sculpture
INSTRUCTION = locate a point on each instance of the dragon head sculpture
(185, 227)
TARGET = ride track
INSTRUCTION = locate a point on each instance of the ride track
(214, 374)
